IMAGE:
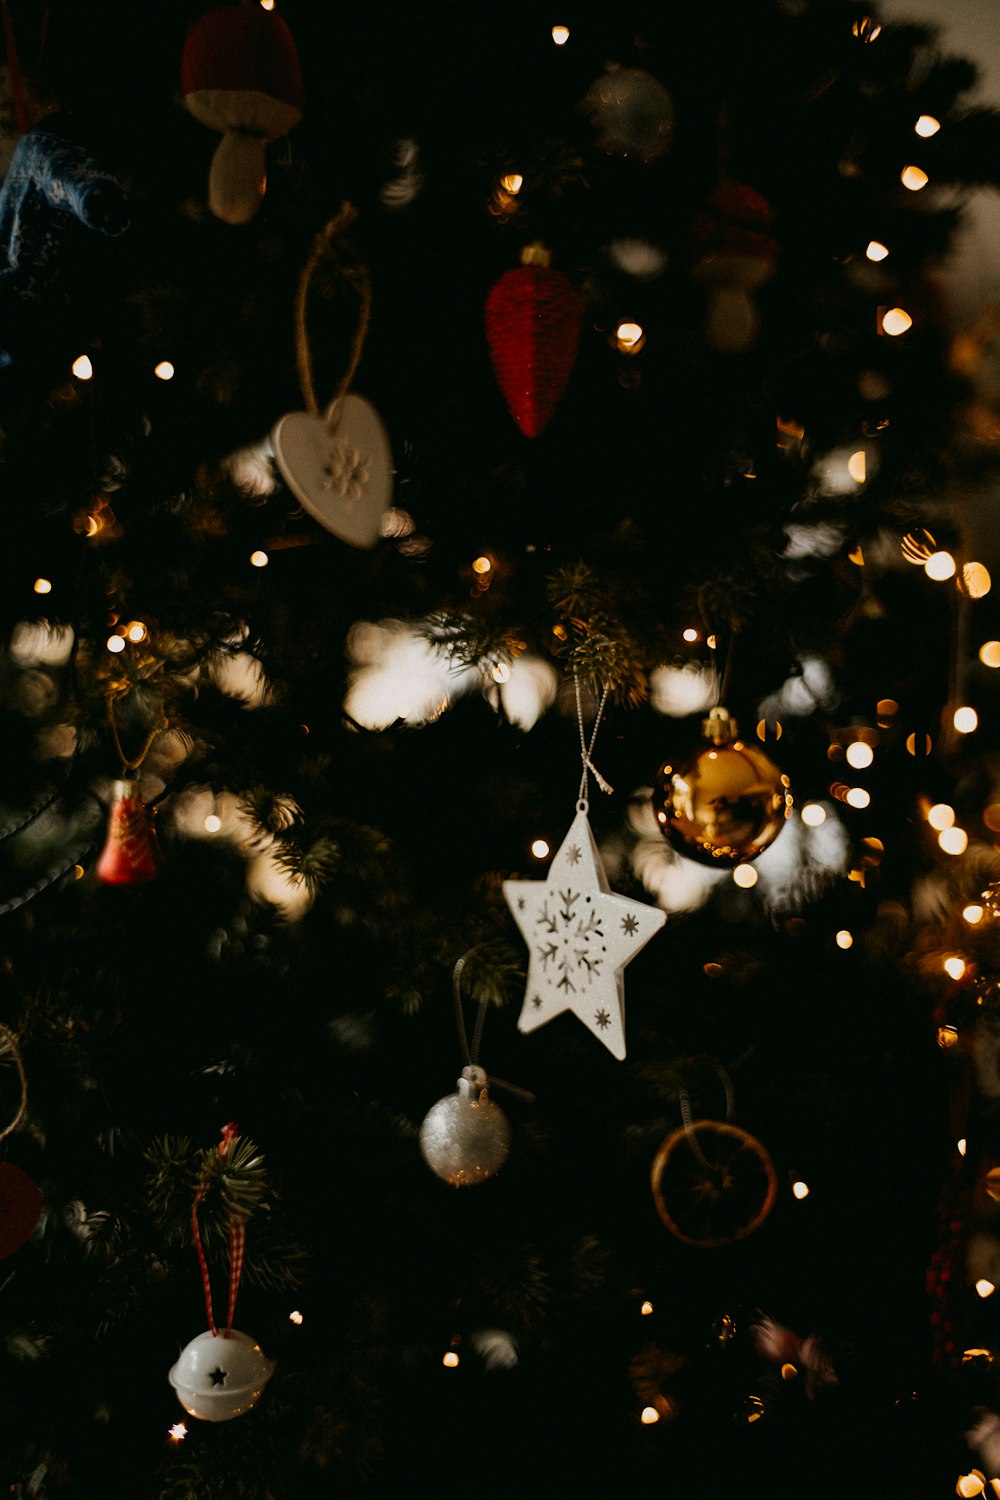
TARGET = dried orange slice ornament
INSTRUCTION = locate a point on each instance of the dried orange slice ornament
(713, 1183)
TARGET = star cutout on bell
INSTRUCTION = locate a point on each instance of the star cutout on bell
(580, 936)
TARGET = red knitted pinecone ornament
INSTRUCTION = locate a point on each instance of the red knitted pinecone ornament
(533, 318)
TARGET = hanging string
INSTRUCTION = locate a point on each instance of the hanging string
(471, 1054)
(237, 1246)
(11, 1042)
(689, 1123)
(358, 277)
(587, 750)
(147, 744)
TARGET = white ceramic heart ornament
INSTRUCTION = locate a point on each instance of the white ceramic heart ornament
(339, 467)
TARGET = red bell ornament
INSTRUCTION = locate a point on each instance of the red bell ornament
(127, 857)
(733, 254)
(533, 320)
(240, 75)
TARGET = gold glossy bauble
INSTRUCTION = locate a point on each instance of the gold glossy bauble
(724, 805)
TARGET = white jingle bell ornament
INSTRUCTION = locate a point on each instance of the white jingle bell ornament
(219, 1376)
(465, 1137)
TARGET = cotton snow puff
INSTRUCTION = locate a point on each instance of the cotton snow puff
(240, 75)
(54, 190)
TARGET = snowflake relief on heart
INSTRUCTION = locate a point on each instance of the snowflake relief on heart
(346, 471)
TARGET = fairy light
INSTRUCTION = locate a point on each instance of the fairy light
(164, 370)
(954, 966)
(42, 586)
(766, 730)
(649, 1415)
(813, 816)
(82, 368)
(296, 1318)
(212, 825)
(116, 643)
(985, 1288)
(962, 1146)
(947, 1037)
(857, 466)
(867, 29)
(975, 580)
(896, 321)
(965, 719)
(970, 1484)
(857, 796)
(989, 653)
(844, 939)
(646, 1309)
(876, 250)
(481, 565)
(137, 631)
(178, 1432)
(690, 635)
(941, 816)
(259, 559)
(630, 337)
(927, 125)
(540, 848)
(789, 1372)
(267, 4)
(512, 182)
(560, 35)
(973, 913)
(745, 876)
(913, 178)
(800, 1189)
(940, 566)
(500, 672)
(450, 1359)
(859, 755)
(954, 840)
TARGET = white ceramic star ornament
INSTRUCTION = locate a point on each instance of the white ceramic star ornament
(580, 934)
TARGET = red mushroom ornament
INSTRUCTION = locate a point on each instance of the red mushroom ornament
(240, 75)
(734, 254)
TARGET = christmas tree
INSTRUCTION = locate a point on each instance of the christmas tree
(498, 853)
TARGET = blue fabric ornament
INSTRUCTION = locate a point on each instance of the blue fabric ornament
(53, 192)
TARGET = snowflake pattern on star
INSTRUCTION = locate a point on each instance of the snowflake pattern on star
(580, 936)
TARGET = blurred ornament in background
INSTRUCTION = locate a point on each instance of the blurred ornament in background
(631, 113)
(639, 258)
(847, 469)
(220, 1376)
(127, 857)
(713, 1183)
(733, 253)
(240, 75)
(726, 803)
(533, 321)
(465, 1137)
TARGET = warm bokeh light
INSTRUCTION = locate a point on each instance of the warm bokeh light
(965, 719)
(116, 643)
(867, 29)
(896, 321)
(768, 731)
(941, 816)
(989, 653)
(259, 559)
(788, 1372)
(646, 1309)
(913, 178)
(512, 182)
(649, 1416)
(82, 368)
(295, 1317)
(136, 631)
(939, 566)
(954, 966)
(213, 823)
(560, 35)
(164, 370)
(857, 796)
(481, 565)
(917, 547)
(630, 337)
(927, 125)
(859, 755)
(450, 1360)
(500, 672)
(947, 1036)
(953, 840)
(857, 466)
(178, 1432)
(800, 1189)
(970, 1484)
(540, 848)
(973, 913)
(813, 816)
(985, 1288)
(975, 580)
(745, 876)
(690, 635)
(962, 1146)
(876, 250)
(267, 4)
(844, 938)
(42, 586)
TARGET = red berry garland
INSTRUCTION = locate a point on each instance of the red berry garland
(533, 319)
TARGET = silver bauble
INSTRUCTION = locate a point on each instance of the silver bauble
(220, 1375)
(631, 112)
(465, 1137)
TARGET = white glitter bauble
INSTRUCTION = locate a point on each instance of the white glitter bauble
(465, 1137)
(219, 1376)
